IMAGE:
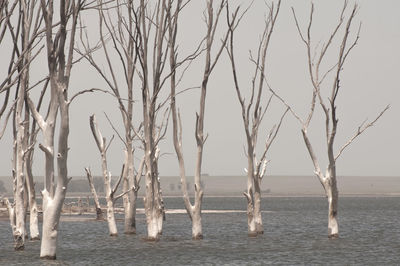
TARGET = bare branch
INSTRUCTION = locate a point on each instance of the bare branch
(118, 182)
(115, 130)
(286, 104)
(85, 91)
(360, 130)
(38, 118)
(100, 141)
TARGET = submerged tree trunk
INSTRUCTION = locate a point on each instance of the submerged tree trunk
(251, 221)
(153, 211)
(197, 230)
(112, 225)
(99, 212)
(51, 218)
(11, 214)
(257, 206)
(129, 199)
(33, 209)
(332, 195)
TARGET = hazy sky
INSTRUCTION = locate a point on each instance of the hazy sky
(369, 83)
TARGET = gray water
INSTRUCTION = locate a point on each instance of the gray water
(295, 234)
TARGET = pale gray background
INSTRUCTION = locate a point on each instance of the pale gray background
(369, 82)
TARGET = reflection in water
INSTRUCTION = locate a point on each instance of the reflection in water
(295, 233)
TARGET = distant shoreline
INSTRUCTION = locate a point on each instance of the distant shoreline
(233, 186)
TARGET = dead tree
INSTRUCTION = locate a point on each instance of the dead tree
(319, 79)
(212, 19)
(110, 192)
(60, 60)
(151, 22)
(25, 37)
(117, 26)
(99, 212)
(253, 113)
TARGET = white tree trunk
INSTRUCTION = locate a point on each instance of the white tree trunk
(33, 219)
(333, 198)
(129, 198)
(112, 226)
(257, 204)
(257, 209)
(159, 206)
(109, 196)
(51, 218)
(251, 219)
(33, 209)
(11, 214)
(153, 210)
(251, 223)
(53, 198)
(19, 164)
(151, 219)
(197, 230)
(19, 233)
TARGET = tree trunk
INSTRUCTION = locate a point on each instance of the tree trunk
(16, 209)
(152, 221)
(152, 204)
(251, 219)
(159, 206)
(53, 201)
(112, 226)
(99, 213)
(80, 206)
(257, 206)
(129, 198)
(19, 233)
(130, 214)
(33, 218)
(33, 209)
(197, 231)
(251, 223)
(11, 214)
(51, 218)
(333, 198)
(110, 200)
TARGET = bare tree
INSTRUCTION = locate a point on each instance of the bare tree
(212, 18)
(110, 192)
(319, 78)
(27, 32)
(116, 26)
(253, 113)
(60, 61)
(151, 29)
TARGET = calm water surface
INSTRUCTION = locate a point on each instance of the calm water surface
(295, 234)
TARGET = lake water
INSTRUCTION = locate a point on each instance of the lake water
(295, 234)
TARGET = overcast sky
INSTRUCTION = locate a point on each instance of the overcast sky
(369, 82)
